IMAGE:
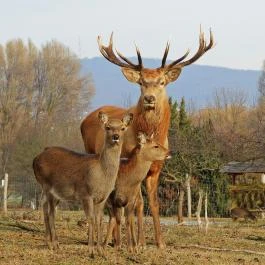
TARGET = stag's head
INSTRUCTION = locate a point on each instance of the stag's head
(153, 81)
(114, 128)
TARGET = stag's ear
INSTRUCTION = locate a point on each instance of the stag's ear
(131, 75)
(103, 117)
(141, 138)
(172, 74)
(127, 119)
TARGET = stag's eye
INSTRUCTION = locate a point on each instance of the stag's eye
(140, 83)
(156, 146)
(107, 128)
(123, 129)
(162, 83)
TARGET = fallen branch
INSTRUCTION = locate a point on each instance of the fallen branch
(224, 249)
(20, 225)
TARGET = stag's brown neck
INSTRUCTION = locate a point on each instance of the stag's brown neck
(153, 121)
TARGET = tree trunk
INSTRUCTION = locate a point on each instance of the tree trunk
(180, 205)
(199, 208)
(187, 182)
(206, 212)
(5, 194)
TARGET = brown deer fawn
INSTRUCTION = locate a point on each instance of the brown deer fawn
(151, 114)
(67, 175)
(128, 188)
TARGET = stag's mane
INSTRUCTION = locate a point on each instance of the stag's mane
(153, 122)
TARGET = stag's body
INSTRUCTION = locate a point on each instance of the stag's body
(127, 190)
(66, 175)
(151, 114)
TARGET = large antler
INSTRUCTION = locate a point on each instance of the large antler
(108, 53)
(201, 50)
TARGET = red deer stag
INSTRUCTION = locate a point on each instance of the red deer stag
(151, 114)
(66, 175)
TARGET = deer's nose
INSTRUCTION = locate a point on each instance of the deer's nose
(168, 156)
(149, 98)
(115, 137)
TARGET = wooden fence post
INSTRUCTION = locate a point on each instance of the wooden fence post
(5, 193)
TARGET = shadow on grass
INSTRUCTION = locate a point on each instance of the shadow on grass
(255, 238)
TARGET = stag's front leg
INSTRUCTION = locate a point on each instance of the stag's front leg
(152, 185)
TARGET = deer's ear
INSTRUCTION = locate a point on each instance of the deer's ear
(103, 117)
(141, 138)
(172, 74)
(127, 119)
(131, 74)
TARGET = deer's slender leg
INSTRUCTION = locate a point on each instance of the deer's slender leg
(98, 220)
(52, 204)
(89, 212)
(118, 215)
(139, 214)
(45, 206)
(111, 225)
(131, 238)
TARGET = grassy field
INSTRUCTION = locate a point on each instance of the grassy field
(22, 242)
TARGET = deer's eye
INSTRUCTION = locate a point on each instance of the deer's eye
(123, 129)
(156, 146)
(140, 83)
(162, 83)
(107, 128)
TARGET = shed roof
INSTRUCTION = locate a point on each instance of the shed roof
(253, 166)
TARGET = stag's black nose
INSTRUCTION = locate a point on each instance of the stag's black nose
(149, 98)
(115, 137)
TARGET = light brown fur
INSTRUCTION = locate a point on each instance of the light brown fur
(128, 188)
(67, 175)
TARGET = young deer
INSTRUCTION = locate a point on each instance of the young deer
(128, 188)
(66, 175)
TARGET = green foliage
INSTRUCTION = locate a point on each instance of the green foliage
(195, 153)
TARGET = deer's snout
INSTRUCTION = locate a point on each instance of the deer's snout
(168, 156)
(149, 99)
(115, 138)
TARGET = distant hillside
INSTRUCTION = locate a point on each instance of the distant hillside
(196, 83)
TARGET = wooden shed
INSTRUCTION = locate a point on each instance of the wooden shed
(247, 183)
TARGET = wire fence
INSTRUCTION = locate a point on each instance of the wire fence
(25, 192)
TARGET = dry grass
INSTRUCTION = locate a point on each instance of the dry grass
(22, 242)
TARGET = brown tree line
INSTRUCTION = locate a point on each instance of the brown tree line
(42, 100)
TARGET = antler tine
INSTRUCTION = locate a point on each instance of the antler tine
(211, 42)
(201, 50)
(140, 62)
(180, 59)
(125, 59)
(107, 52)
(165, 55)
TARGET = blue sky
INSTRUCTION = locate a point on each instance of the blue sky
(238, 27)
